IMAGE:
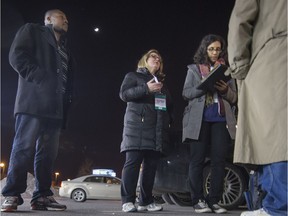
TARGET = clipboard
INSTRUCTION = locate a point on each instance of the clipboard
(217, 74)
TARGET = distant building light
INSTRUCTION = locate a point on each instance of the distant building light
(104, 172)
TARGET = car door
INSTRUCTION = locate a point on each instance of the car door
(112, 188)
(96, 187)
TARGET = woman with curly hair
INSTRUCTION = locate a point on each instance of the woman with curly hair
(208, 123)
(146, 124)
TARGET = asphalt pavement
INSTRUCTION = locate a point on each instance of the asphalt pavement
(106, 208)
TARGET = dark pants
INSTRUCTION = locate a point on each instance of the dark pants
(213, 135)
(36, 140)
(130, 174)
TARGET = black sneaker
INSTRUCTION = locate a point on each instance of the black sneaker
(10, 204)
(218, 209)
(47, 203)
(201, 207)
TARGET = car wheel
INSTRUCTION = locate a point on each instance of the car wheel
(181, 199)
(79, 195)
(167, 199)
(234, 186)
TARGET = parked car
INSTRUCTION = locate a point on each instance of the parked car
(171, 181)
(91, 187)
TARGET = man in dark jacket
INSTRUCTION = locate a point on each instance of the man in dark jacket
(40, 56)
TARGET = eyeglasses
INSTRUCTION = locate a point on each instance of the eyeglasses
(212, 49)
(155, 57)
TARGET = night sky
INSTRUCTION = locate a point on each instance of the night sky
(128, 28)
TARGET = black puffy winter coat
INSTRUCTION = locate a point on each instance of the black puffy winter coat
(145, 128)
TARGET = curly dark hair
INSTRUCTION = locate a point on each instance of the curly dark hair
(201, 56)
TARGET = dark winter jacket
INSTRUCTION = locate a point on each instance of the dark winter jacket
(145, 128)
(34, 56)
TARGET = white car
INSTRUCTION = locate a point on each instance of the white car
(91, 187)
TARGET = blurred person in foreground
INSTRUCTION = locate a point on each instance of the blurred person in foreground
(40, 56)
(208, 123)
(257, 50)
(146, 123)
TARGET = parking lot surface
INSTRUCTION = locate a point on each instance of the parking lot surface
(106, 208)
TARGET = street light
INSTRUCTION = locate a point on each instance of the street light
(2, 167)
(56, 177)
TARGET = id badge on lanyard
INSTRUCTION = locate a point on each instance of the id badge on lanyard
(160, 102)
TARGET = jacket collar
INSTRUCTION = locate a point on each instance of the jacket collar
(143, 70)
(48, 33)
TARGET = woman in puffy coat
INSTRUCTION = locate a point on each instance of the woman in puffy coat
(207, 123)
(146, 124)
